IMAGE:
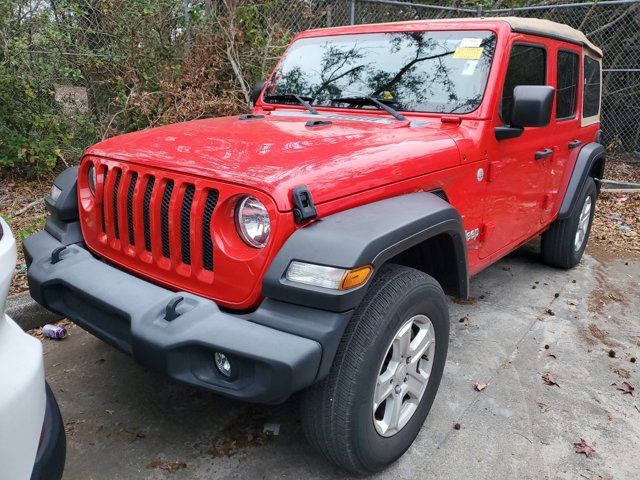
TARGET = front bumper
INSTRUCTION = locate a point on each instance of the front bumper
(275, 351)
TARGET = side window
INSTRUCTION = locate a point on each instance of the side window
(567, 84)
(527, 66)
(591, 96)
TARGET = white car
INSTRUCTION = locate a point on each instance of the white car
(32, 438)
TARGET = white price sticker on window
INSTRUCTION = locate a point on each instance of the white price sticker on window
(470, 42)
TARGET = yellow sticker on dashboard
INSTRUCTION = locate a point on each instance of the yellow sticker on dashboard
(468, 53)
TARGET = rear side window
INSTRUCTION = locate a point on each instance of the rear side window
(567, 84)
(591, 97)
(527, 66)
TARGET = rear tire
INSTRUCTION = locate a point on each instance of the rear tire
(404, 310)
(564, 243)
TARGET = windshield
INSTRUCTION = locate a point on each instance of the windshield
(439, 72)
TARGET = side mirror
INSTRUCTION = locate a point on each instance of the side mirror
(255, 92)
(532, 105)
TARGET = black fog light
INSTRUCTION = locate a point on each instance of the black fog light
(223, 364)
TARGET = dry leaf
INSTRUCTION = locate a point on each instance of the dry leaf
(625, 387)
(583, 447)
(170, 467)
(548, 379)
(479, 386)
(173, 466)
(544, 408)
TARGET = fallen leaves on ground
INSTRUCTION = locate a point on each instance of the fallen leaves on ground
(170, 467)
(583, 447)
(547, 377)
(479, 386)
(616, 226)
(245, 431)
(15, 195)
(625, 388)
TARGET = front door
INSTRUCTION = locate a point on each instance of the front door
(515, 198)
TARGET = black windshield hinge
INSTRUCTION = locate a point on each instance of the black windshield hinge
(317, 123)
(303, 209)
(250, 116)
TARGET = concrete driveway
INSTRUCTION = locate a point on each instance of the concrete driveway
(124, 422)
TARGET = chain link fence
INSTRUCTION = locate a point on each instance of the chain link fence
(73, 71)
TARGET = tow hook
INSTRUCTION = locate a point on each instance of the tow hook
(55, 255)
(170, 312)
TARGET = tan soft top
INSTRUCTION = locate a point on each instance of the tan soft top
(533, 26)
(536, 26)
(548, 28)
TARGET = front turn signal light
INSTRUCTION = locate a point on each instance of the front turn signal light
(356, 277)
(327, 277)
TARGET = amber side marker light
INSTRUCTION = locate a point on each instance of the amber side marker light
(327, 277)
(355, 278)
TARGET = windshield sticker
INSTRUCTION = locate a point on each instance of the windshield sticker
(469, 67)
(470, 42)
(468, 53)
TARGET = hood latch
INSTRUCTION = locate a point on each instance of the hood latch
(303, 209)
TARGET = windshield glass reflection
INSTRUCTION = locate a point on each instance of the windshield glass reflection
(440, 72)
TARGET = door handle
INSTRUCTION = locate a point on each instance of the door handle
(574, 144)
(547, 152)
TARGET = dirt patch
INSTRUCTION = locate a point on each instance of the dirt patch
(599, 334)
(467, 301)
(605, 293)
(247, 430)
(621, 372)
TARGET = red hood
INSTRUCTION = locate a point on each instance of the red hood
(279, 152)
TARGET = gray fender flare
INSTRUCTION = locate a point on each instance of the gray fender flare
(587, 158)
(367, 235)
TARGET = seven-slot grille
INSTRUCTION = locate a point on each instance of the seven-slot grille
(152, 216)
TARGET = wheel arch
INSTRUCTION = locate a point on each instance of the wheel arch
(443, 267)
(589, 164)
(403, 229)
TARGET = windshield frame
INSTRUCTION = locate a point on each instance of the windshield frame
(357, 30)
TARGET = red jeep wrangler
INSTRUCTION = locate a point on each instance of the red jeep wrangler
(310, 245)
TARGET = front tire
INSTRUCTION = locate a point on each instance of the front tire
(564, 243)
(399, 334)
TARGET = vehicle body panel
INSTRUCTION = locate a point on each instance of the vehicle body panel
(504, 195)
(22, 396)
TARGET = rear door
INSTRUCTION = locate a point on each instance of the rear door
(516, 178)
(565, 123)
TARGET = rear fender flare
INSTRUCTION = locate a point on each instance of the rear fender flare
(591, 157)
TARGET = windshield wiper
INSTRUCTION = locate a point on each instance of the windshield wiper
(292, 96)
(371, 101)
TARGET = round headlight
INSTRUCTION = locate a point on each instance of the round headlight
(252, 222)
(91, 178)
